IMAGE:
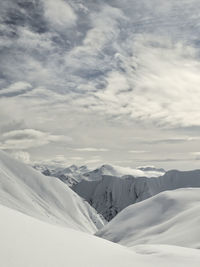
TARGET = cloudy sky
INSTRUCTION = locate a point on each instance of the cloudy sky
(101, 81)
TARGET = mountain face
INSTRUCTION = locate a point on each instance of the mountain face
(170, 218)
(47, 198)
(112, 194)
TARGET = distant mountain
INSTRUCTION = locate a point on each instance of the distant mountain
(70, 175)
(122, 171)
(73, 174)
(107, 188)
(110, 189)
(47, 198)
(112, 194)
(170, 218)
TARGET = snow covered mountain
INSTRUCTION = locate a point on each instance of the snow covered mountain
(26, 241)
(70, 175)
(171, 218)
(24, 189)
(110, 189)
(74, 174)
(112, 194)
(119, 171)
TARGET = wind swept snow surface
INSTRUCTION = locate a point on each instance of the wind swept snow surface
(47, 198)
(26, 241)
(171, 217)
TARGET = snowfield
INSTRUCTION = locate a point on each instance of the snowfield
(171, 217)
(26, 241)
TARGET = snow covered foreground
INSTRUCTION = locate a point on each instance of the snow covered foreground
(26, 190)
(171, 217)
(28, 242)
(39, 216)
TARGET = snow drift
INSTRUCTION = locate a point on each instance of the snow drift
(171, 217)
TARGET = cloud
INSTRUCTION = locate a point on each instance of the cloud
(138, 151)
(76, 158)
(59, 14)
(22, 156)
(116, 70)
(166, 160)
(195, 153)
(93, 161)
(15, 88)
(177, 140)
(91, 149)
(158, 84)
(28, 138)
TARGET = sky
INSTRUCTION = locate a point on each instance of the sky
(94, 82)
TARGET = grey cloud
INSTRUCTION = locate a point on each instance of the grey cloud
(15, 89)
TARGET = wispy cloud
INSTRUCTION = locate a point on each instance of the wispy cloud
(76, 158)
(138, 151)
(177, 140)
(91, 149)
(92, 161)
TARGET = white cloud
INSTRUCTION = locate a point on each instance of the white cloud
(195, 153)
(32, 40)
(22, 156)
(160, 84)
(91, 149)
(93, 161)
(59, 14)
(138, 151)
(28, 138)
(76, 158)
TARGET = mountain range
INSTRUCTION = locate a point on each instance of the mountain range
(109, 189)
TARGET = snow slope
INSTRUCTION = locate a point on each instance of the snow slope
(171, 217)
(112, 194)
(30, 242)
(47, 198)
